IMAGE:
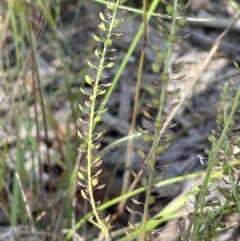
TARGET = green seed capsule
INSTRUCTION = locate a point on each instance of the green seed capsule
(108, 42)
(116, 23)
(111, 5)
(222, 225)
(173, 39)
(170, 10)
(182, 22)
(165, 77)
(225, 167)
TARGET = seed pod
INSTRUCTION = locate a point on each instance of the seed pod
(170, 10)
(222, 225)
(111, 6)
(173, 38)
(182, 22)
(108, 42)
(165, 77)
(155, 68)
(102, 27)
(116, 23)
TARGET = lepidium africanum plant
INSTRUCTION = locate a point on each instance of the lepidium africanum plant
(207, 219)
(160, 138)
(99, 84)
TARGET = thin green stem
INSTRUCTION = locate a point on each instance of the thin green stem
(152, 160)
(92, 122)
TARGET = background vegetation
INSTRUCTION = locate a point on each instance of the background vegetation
(63, 64)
